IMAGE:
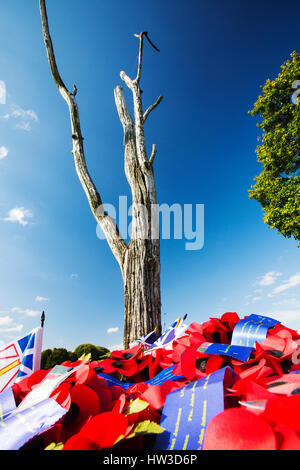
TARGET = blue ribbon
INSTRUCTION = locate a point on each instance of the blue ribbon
(251, 329)
(241, 353)
(19, 427)
(159, 379)
(7, 403)
(188, 410)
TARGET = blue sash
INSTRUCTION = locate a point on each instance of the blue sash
(159, 379)
(251, 329)
(19, 427)
(187, 412)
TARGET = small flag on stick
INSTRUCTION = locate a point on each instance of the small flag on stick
(20, 358)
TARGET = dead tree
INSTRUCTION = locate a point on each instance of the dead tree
(139, 259)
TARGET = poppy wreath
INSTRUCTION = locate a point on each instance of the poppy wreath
(261, 404)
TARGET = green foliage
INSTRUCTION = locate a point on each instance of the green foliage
(97, 352)
(277, 188)
(53, 357)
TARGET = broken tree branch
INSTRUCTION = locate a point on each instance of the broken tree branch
(153, 106)
(153, 153)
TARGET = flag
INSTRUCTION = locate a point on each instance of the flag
(174, 331)
(20, 358)
(146, 340)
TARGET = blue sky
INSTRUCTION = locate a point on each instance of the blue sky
(214, 58)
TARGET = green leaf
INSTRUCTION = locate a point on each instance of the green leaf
(85, 357)
(135, 406)
(146, 427)
(55, 446)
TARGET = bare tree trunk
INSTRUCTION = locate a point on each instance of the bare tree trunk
(141, 274)
(140, 259)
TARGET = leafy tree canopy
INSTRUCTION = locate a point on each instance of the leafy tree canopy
(277, 188)
(52, 357)
(97, 352)
(55, 356)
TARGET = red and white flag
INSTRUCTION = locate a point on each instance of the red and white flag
(20, 358)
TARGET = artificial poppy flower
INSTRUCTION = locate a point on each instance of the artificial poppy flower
(178, 350)
(62, 395)
(24, 386)
(287, 438)
(100, 432)
(84, 405)
(239, 429)
(284, 410)
(230, 319)
(119, 403)
(156, 395)
(80, 443)
(132, 353)
(126, 368)
(285, 384)
(283, 331)
(162, 360)
(137, 389)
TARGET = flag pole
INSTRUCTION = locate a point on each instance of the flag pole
(42, 319)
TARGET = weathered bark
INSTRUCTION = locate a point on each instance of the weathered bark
(141, 274)
(140, 259)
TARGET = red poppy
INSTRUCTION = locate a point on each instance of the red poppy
(178, 350)
(284, 410)
(62, 395)
(287, 438)
(192, 364)
(230, 319)
(161, 360)
(132, 353)
(85, 404)
(100, 432)
(156, 395)
(80, 443)
(239, 429)
(125, 367)
(24, 386)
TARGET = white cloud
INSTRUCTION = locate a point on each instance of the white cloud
(41, 299)
(28, 312)
(113, 330)
(116, 347)
(269, 278)
(18, 214)
(289, 302)
(24, 126)
(288, 317)
(2, 92)
(24, 117)
(74, 276)
(291, 282)
(11, 329)
(256, 299)
(3, 152)
(5, 320)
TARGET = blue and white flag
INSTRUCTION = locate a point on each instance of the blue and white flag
(146, 340)
(174, 331)
(20, 358)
